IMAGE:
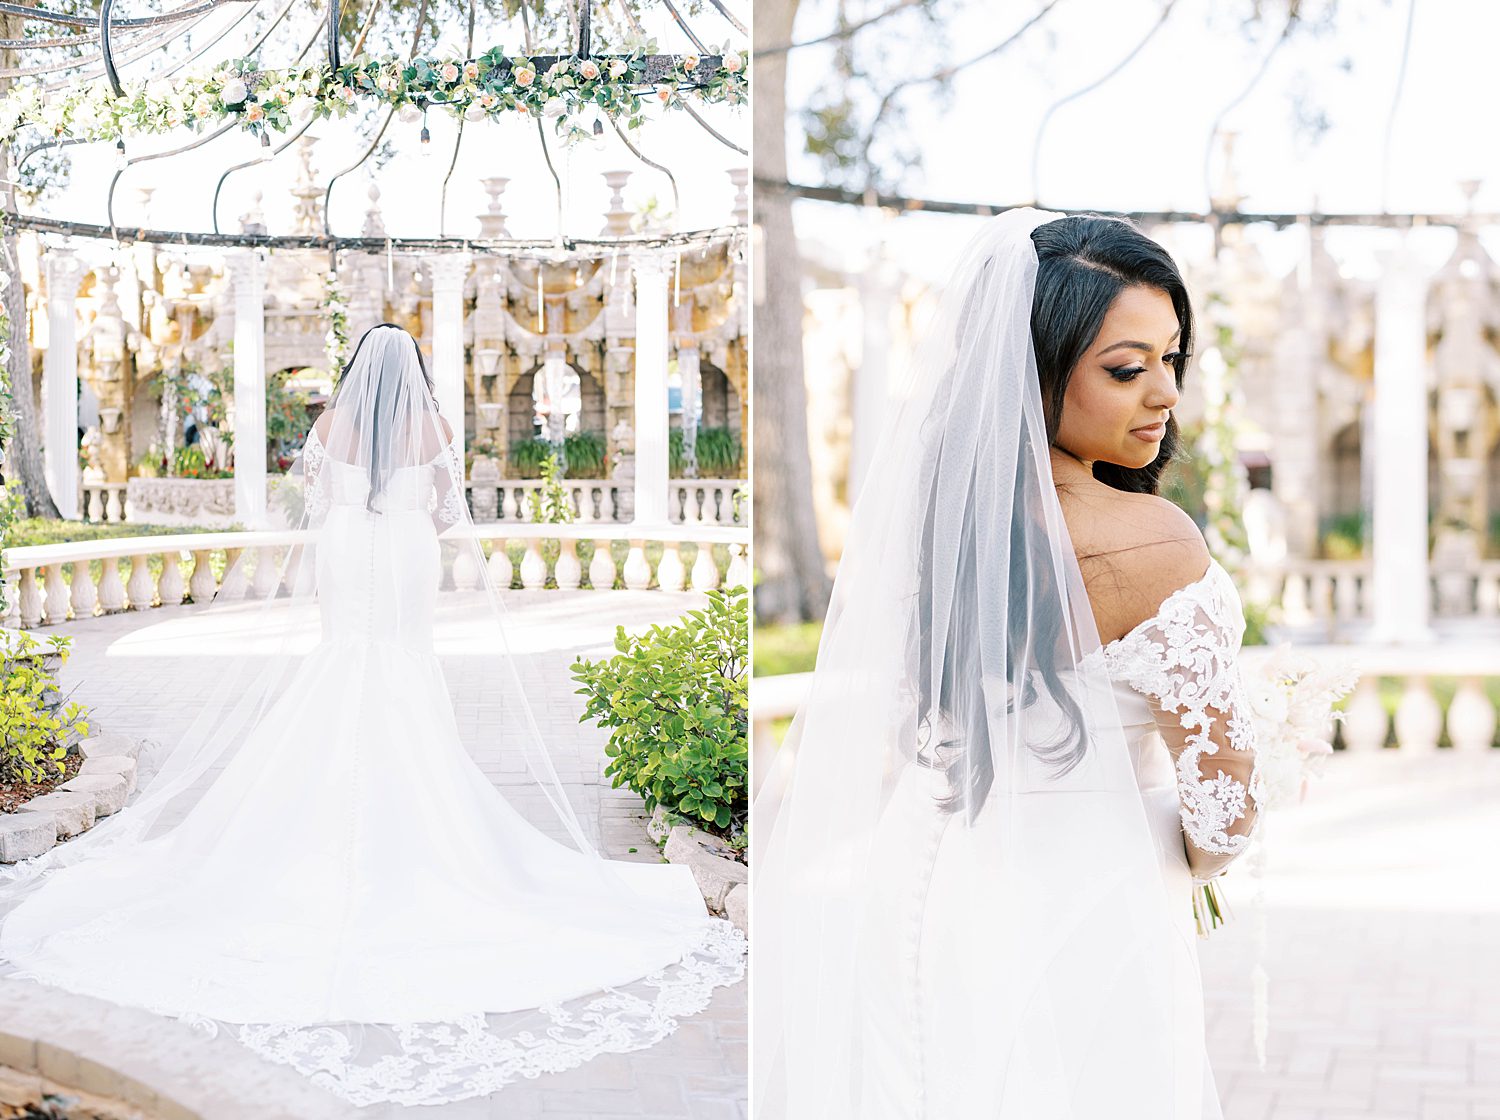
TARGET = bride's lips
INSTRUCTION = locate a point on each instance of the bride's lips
(1151, 432)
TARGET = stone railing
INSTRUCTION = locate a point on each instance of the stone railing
(103, 501)
(1322, 596)
(696, 501)
(1419, 723)
(48, 584)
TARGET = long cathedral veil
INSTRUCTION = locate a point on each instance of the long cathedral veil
(417, 939)
(958, 902)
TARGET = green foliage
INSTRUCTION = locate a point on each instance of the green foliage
(527, 457)
(586, 454)
(552, 504)
(190, 462)
(34, 728)
(24, 532)
(677, 700)
(718, 450)
(1343, 536)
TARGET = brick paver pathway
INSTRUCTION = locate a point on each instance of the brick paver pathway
(1383, 931)
(142, 673)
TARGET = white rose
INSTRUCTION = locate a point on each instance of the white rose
(1269, 702)
(303, 106)
(617, 67)
(409, 113)
(234, 91)
(475, 112)
(554, 107)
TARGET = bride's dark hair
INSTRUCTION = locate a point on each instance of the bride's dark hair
(1083, 263)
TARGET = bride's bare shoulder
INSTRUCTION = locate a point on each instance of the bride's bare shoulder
(1134, 550)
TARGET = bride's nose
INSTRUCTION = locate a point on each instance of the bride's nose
(1164, 394)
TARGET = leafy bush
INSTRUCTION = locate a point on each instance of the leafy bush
(527, 457)
(190, 462)
(677, 699)
(553, 503)
(35, 728)
(719, 452)
(587, 453)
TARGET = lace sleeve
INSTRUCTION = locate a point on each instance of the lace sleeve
(1184, 660)
(313, 456)
(448, 482)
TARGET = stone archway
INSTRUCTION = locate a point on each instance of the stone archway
(520, 408)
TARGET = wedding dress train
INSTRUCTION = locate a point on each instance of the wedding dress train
(351, 894)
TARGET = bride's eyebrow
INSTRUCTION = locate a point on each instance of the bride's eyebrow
(1141, 346)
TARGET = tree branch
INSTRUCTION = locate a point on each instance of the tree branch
(841, 33)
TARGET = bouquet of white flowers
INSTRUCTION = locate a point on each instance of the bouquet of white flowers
(1290, 696)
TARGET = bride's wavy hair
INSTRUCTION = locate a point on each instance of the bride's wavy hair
(376, 465)
(1083, 263)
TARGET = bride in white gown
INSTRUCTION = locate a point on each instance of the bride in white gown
(320, 864)
(1024, 738)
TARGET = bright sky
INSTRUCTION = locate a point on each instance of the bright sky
(411, 183)
(1138, 141)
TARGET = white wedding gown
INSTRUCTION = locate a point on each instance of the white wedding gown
(352, 865)
(952, 1037)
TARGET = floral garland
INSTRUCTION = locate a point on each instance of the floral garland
(336, 343)
(264, 101)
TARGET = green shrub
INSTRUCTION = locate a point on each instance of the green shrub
(718, 450)
(527, 457)
(587, 455)
(553, 503)
(677, 699)
(35, 728)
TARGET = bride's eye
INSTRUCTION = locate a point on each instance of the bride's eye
(1125, 373)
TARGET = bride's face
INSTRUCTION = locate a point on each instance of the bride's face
(1122, 390)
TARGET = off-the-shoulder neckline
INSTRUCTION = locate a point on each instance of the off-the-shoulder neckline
(1208, 574)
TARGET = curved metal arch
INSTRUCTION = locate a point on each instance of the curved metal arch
(109, 198)
(334, 8)
(727, 14)
(676, 198)
(110, 73)
(708, 128)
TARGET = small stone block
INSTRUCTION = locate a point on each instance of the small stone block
(26, 834)
(98, 746)
(107, 790)
(737, 908)
(121, 764)
(715, 875)
(73, 812)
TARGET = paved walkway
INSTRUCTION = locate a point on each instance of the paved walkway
(1383, 935)
(142, 673)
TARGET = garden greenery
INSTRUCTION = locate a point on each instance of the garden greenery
(677, 702)
(35, 729)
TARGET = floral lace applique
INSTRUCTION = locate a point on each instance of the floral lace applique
(1184, 658)
(313, 457)
(452, 509)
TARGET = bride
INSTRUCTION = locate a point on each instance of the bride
(1025, 739)
(319, 865)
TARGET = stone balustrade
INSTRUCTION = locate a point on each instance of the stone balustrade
(103, 501)
(48, 584)
(698, 501)
(1326, 597)
(1467, 721)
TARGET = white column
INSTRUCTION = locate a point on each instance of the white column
(249, 275)
(1398, 452)
(449, 272)
(870, 381)
(60, 380)
(651, 273)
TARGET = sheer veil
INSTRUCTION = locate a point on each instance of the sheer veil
(958, 901)
(319, 861)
